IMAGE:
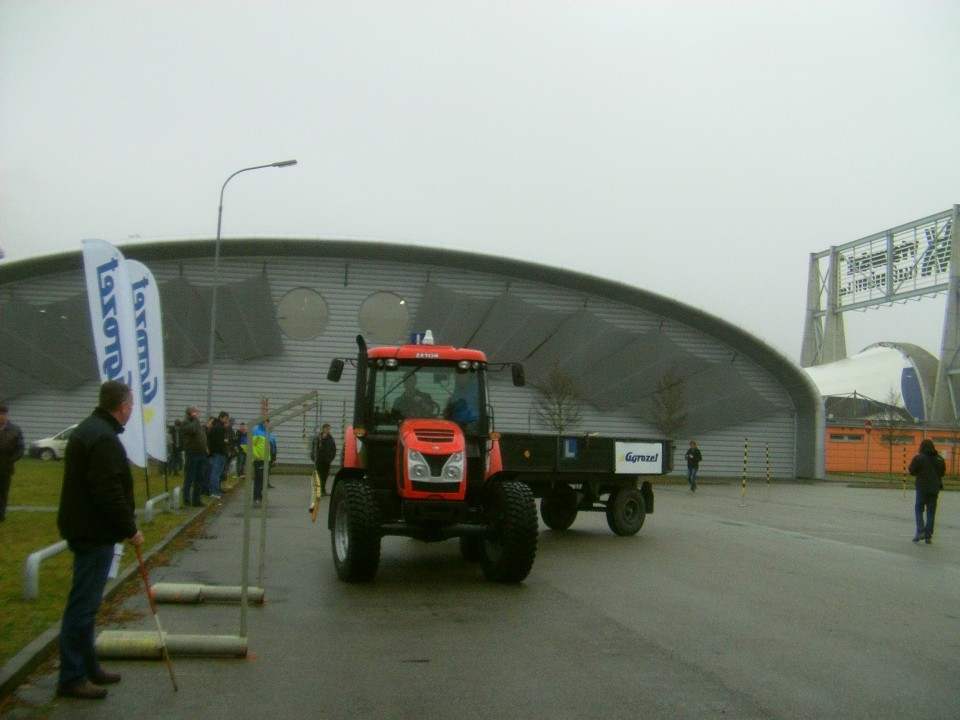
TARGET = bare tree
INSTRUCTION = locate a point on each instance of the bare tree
(560, 405)
(893, 422)
(668, 412)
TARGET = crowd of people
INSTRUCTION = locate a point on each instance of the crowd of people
(206, 453)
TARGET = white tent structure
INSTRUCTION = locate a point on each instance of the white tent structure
(882, 372)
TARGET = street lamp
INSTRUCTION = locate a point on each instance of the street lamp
(216, 268)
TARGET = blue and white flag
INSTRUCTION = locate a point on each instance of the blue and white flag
(110, 297)
(146, 310)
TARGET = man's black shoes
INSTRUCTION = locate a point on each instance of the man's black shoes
(82, 691)
(102, 677)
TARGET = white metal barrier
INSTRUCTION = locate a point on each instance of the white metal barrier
(31, 569)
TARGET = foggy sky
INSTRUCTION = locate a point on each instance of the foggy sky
(700, 150)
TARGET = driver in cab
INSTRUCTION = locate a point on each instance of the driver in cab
(413, 403)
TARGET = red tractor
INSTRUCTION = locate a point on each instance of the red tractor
(416, 463)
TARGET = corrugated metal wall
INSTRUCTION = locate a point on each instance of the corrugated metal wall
(344, 285)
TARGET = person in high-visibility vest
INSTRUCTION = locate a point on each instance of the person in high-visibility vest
(259, 453)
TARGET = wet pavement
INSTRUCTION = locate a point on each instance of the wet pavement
(797, 601)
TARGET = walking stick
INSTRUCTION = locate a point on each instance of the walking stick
(315, 507)
(153, 609)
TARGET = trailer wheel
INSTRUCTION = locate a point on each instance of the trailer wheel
(626, 511)
(355, 531)
(510, 546)
(558, 508)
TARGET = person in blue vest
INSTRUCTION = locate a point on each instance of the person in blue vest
(259, 454)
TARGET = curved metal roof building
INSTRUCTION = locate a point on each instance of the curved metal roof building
(287, 306)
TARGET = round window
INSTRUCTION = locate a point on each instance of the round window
(302, 314)
(384, 317)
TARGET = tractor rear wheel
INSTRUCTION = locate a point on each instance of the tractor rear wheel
(510, 546)
(355, 531)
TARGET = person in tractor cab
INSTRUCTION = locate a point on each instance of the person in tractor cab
(463, 407)
(413, 403)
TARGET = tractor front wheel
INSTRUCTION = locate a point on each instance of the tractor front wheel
(355, 531)
(510, 546)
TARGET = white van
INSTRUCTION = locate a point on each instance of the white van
(51, 448)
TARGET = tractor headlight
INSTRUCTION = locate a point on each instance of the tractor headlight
(417, 468)
(453, 468)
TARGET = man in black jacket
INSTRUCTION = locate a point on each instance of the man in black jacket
(219, 444)
(323, 452)
(11, 450)
(928, 467)
(97, 510)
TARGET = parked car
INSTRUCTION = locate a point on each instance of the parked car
(51, 448)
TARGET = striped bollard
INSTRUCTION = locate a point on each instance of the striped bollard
(743, 491)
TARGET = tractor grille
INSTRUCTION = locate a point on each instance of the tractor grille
(436, 463)
(433, 435)
(435, 487)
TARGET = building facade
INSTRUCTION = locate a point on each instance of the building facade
(286, 307)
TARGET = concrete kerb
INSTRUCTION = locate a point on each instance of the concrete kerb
(16, 670)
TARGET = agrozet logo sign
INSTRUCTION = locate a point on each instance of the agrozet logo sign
(639, 458)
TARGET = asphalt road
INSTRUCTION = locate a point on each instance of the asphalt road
(801, 601)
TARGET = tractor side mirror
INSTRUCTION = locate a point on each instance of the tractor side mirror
(517, 371)
(335, 371)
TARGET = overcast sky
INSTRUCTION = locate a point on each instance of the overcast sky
(700, 150)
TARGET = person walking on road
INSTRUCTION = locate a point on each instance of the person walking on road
(323, 453)
(97, 510)
(928, 467)
(11, 450)
(693, 457)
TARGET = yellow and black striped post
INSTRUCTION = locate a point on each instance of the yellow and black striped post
(743, 491)
(767, 455)
(904, 471)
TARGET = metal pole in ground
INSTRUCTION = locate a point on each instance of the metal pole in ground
(265, 416)
(245, 554)
(268, 452)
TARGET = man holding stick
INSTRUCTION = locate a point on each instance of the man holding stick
(97, 510)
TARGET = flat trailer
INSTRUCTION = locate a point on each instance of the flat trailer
(585, 473)
(423, 460)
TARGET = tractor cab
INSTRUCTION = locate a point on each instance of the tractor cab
(421, 420)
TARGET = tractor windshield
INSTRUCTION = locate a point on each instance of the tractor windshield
(427, 391)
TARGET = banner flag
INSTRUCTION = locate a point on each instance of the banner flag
(110, 298)
(146, 309)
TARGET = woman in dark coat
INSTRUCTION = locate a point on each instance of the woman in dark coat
(928, 468)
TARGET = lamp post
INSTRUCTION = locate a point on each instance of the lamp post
(216, 268)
